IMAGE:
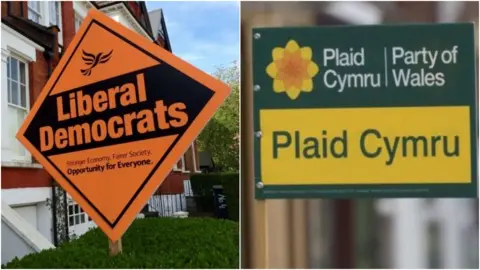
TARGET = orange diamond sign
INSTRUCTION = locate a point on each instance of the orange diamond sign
(115, 116)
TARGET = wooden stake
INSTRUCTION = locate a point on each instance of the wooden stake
(114, 248)
(274, 230)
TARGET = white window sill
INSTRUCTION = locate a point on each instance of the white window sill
(21, 164)
(180, 171)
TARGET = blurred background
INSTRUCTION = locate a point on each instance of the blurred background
(383, 233)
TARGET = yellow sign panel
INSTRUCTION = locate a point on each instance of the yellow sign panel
(404, 145)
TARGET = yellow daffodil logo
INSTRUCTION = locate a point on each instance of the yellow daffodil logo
(292, 69)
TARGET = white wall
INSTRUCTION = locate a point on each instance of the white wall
(13, 245)
(117, 16)
(409, 248)
(29, 213)
(457, 221)
(30, 203)
(39, 216)
(19, 237)
(45, 220)
(410, 221)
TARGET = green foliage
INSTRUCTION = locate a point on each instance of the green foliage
(59, 206)
(220, 136)
(202, 185)
(148, 243)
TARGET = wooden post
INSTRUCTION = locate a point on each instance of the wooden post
(273, 231)
(114, 248)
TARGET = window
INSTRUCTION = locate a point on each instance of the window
(160, 30)
(46, 13)
(78, 22)
(54, 13)
(180, 165)
(17, 99)
(17, 83)
(194, 158)
(34, 11)
(76, 215)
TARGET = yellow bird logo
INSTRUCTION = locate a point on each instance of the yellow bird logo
(93, 60)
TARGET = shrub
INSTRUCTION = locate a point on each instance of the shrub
(202, 186)
(148, 243)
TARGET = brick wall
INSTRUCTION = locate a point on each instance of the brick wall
(25, 8)
(15, 7)
(134, 8)
(68, 23)
(412, 11)
(38, 72)
(4, 9)
(161, 41)
(24, 178)
(173, 183)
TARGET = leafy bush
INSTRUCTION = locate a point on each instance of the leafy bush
(202, 186)
(148, 243)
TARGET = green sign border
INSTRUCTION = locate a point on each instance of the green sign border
(349, 191)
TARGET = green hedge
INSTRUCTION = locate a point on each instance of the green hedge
(148, 243)
(202, 185)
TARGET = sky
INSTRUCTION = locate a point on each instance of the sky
(205, 34)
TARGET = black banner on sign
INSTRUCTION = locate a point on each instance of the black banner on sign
(149, 103)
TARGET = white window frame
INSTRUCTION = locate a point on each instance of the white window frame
(182, 169)
(44, 14)
(184, 166)
(38, 13)
(13, 156)
(73, 214)
(78, 19)
(194, 161)
(161, 31)
(194, 158)
(20, 60)
(59, 19)
(81, 8)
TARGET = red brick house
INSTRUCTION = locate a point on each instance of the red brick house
(34, 36)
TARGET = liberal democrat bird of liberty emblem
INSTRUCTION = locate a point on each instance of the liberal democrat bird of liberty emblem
(93, 60)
